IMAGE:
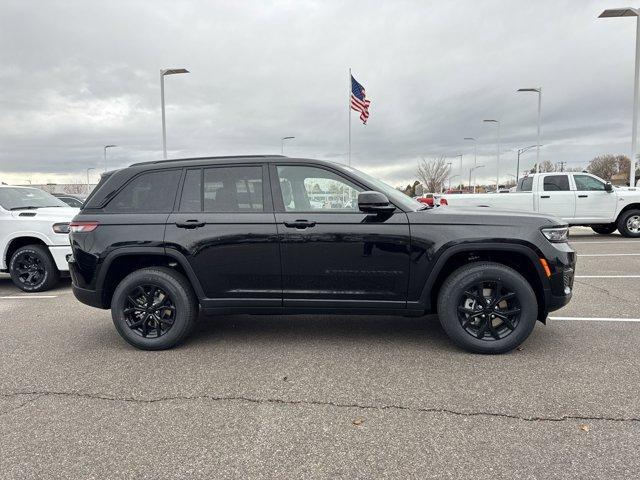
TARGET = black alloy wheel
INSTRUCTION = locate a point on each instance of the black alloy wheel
(489, 310)
(154, 308)
(32, 269)
(149, 311)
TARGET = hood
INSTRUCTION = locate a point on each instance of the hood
(485, 216)
(55, 214)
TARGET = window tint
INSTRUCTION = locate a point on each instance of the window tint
(191, 200)
(233, 189)
(556, 183)
(151, 192)
(525, 184)
(306, 189)
(587, 183)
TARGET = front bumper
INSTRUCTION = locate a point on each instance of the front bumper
(61, 254)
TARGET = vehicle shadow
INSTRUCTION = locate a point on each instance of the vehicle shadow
(343, 329)
(8, 288)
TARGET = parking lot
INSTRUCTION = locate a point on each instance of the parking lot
(327, 397)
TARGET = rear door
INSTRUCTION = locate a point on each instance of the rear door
(224, 225)
(555, 196)
(333, 255)
(593, 202)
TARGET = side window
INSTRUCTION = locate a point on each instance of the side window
(151, 192)
(525, 184)
(309, 189)
(556, 183)
(191, 200)
(233, 189)
(587, 183)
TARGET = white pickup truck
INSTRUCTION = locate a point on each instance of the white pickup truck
(34, 237)
(577, 198)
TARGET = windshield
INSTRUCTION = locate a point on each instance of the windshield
(392, 194)
(17, 198)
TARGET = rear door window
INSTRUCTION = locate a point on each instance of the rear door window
(233, 189)
(556, 183)
(151, 192)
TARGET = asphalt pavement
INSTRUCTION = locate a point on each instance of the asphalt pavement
(327, 396)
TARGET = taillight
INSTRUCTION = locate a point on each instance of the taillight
(77, 227)
(443, 201)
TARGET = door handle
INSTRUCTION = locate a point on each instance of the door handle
(300, 224)
(545, 196)
(583, 196)
(190, 224)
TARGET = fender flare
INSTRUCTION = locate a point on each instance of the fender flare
(446, 252)
(4, 261)
(156, 251)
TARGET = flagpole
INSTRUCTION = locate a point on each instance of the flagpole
(349, 113)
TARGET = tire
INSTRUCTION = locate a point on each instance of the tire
(457, 292)
(604, 229)
(629, 224)
(32, 269)
(154, 320)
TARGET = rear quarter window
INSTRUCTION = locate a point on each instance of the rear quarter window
(150, 192)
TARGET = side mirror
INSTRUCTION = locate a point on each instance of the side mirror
(608, 187)
(374, 202)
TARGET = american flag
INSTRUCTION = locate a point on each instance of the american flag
(359, 101)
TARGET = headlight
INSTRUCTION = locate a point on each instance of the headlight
(556, 234)
(61, 227)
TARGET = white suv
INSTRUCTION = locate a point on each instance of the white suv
(34, 237)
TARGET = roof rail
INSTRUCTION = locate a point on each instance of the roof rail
(197, 159)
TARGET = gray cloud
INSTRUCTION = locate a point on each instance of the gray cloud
(77, 75)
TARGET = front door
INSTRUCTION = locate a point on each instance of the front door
(556, 197)
(224, 225)
(593, 202)
(333, 255)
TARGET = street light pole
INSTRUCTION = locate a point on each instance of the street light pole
(88, 170)
(538, 90)
(450, 178)
(163, 72)
(456, 156)
(497, 122)
(105, 155)
(631, 12)
(473, 169)
(475, 159)
(282, 143)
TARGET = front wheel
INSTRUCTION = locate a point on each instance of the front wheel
(604, 229)
(629, 224)
(32, 269)
(154, 308)
(487, 307)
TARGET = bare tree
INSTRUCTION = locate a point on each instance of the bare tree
(76, 188)
(433, 173)
(606, 166)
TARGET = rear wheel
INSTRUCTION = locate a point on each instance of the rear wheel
(605, 229)
(32, 269)
(154, 308)
(629, 224)
(487, 307)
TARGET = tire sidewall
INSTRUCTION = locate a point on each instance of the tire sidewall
(49, 277)
(468, 276)
(177, 293)
(622, 224)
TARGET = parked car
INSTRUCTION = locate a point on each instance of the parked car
(159, 242)
(577, 198)
(34, 237)
(426, 198)
(71, 200)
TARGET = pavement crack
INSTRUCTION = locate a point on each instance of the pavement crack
(605, 291)
(32, 398)
(279, 401)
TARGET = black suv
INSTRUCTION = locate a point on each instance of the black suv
(159, 242)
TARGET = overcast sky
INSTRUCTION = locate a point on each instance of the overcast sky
(77, 75)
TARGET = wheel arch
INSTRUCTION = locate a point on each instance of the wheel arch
(123, 261)
(631, 206)
(524, 258)
(17, 242)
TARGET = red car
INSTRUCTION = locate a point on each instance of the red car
(426, 198)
